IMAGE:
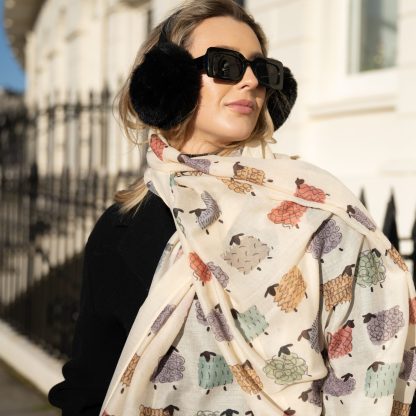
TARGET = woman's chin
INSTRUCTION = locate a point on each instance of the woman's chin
(239, 134)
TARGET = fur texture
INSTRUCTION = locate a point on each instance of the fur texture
(165, 87)
(280, 103)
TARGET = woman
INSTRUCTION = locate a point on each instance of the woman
(272, 292)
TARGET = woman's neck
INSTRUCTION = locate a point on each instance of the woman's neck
(199, 149)
(195, 145)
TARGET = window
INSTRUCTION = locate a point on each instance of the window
(373, 35)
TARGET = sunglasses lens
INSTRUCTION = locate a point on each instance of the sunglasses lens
(267, 73)
(226, 66)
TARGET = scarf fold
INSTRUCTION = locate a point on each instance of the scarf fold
(246, 223)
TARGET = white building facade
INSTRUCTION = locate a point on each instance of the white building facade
(359, 124)
(353, 60)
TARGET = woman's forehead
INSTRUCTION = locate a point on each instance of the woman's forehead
(225, 32)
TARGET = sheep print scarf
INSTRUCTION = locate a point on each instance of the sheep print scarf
(303, 305)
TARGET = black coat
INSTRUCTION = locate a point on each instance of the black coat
(120, 259)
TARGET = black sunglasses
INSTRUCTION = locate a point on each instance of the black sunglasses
(231, 65)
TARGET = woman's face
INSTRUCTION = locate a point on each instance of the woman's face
(215, 121)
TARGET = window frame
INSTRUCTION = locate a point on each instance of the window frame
(334, 90)
(355, 30)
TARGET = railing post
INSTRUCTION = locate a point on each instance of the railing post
(390, 225)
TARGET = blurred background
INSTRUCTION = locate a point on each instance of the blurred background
(62, 152)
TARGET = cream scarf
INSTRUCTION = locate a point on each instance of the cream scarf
(248, 234)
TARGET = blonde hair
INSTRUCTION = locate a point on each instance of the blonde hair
(188, 16)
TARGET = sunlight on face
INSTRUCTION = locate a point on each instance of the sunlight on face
(215, 122)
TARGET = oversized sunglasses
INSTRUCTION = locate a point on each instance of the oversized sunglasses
(231, 65)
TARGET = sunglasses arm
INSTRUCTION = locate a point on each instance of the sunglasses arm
(200, 62)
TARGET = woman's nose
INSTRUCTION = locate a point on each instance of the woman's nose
(249, 78)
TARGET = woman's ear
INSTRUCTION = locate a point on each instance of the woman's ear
(280, 102)
(165, 87)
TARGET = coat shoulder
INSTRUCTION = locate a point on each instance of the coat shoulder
(104, 228)
(110, 227)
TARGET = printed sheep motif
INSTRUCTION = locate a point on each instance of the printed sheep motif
(370, 269)
(246, 252)
(251, 323)
(247, 378)
(162, 318)
(201, 270)
(309, 192)
(287, 213)
(149, 411)
(249, 174)
(289, 292)
(408, 373)
(129, 371)
(210, 214)
(237, 186)
(339, 289)
(213, 371)
(338, 387)
(340, 342)
(170, 368)
(312, 335)
(200, 164)
(200, 316)
(397, 258)
(215, 320)
(400, 409)
(219, 274)
(314, 394)
(287, 367)
(357, 214)
(325, 239)
(384, 325)
(381, 379)
(157, 145)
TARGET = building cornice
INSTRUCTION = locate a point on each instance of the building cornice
(19, 18)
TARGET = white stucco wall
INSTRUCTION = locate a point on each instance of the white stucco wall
(360, 127)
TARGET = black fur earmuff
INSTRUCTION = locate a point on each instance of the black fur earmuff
(165, 87)
(280, 102)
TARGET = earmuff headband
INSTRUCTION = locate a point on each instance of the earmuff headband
(165, 87)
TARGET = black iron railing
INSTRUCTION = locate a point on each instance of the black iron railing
(45, 218)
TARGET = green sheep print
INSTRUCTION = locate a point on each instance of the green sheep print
(213, 371)
(381, 379)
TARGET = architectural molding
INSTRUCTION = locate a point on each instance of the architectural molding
(19, 18)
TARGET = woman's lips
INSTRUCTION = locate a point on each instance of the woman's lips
(241, 107)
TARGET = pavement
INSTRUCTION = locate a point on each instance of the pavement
(19, 398)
